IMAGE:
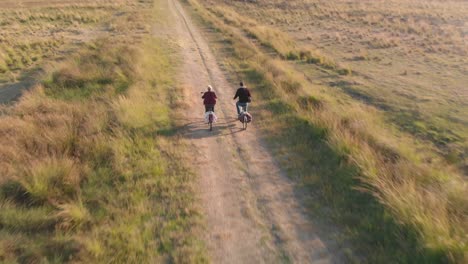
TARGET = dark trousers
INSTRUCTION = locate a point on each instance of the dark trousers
(209, 108)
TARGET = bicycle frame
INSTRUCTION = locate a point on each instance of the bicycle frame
(210, 120)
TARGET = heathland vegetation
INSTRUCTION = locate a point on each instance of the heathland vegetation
(90, 169)
(379, 150)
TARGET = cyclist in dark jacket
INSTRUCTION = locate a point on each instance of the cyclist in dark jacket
(209, 99)
(244, 98)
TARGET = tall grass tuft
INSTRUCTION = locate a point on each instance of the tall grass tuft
(73, 215)
(51, 179)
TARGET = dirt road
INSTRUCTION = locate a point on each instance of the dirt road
(251, 211)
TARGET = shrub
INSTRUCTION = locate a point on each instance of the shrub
(292, 55)
(344, 71)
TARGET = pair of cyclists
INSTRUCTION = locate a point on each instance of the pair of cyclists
(209, 98)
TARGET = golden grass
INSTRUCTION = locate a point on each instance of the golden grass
(277, 40)
(33, 33)
(407, 58)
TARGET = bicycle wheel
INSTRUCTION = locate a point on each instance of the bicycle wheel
(210, 121)
(244, 124)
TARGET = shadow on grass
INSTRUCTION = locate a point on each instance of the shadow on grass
(412, 121)
(329, 181)
(11, 92)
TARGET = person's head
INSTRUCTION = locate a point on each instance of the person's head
(210, 88)
(241, 84)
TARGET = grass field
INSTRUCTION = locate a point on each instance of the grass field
(36, 31)
(91, 169)
(398, 193)
(408, 58)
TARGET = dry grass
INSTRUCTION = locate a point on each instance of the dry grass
(37, 31)
(278, 41)
(421, 209)
(414, 63)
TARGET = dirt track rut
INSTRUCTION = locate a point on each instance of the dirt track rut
(251, 211)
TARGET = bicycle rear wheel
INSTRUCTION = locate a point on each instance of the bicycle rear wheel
(210, 121)
(244, 124)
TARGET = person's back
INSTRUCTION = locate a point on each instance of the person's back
(209, 99)
(244, 98)
(243, 94)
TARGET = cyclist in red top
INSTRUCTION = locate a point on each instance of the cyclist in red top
(209, 99)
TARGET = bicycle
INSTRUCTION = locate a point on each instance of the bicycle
(210, 119)
(210, 116)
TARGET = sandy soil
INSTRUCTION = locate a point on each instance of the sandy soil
(252, 213)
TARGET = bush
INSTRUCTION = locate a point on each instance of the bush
(313, 60)
(292, 55)
(344, 71)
